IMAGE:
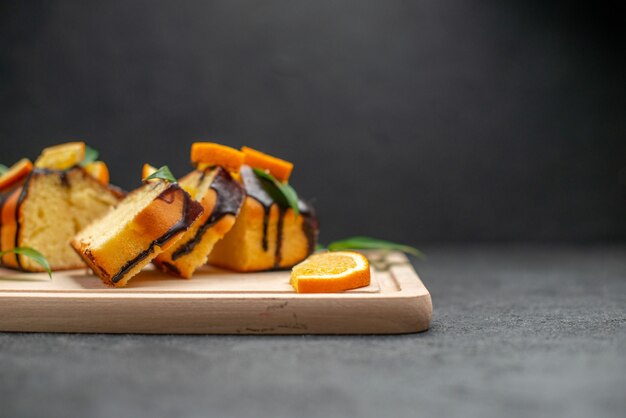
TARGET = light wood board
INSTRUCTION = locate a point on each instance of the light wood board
(214, 301)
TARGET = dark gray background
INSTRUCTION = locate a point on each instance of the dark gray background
(413, 121)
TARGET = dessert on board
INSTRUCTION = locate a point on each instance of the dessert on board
(267, 235)
(147, 222)
(44, 205)
(212, 185)
(235, 210)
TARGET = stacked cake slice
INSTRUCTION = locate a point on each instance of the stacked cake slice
(147, 222)
(267, 234)
(221, 197)
(44, 206)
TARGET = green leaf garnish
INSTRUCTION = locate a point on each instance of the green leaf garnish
(163, 173)
(367, 243)
(287, 192)
(33, 254)
(3, 169)
(91, 155)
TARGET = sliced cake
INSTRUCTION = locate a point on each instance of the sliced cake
(43, 207)
(147, 222)
(267, 234)
(221, 197)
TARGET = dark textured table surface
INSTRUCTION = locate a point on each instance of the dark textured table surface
(517, 331)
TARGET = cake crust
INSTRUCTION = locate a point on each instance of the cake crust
(265, 236)
(45, 210)
(221, 203)
(152, 230)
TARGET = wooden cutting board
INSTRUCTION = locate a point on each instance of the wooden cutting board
(214, 302)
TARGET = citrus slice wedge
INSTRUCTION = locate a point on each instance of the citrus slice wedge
(278, 168)
(99, 171)
(331, 272)
(16, 172)
(208, 154)
(62, 156)
(147, 170)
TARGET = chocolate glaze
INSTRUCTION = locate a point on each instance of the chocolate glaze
(5, 194)
(202, 176)
(279, 236)
(3, 198)
(254, 189)
(191, 211)
(310, 225)
(63, 174)
(24, 184)
(230, 196)
(18, 207)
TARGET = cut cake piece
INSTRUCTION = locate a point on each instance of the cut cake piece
(148, 221)
(221, 198)
(45, 209)
(265, 236)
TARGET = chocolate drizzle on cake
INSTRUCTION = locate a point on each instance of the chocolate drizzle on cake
(191, 210)
(5, 195)
(230, 196)
(18, 207)
(22, 187)
(279, 236)
(63, 178)
(310, 225)
(255, 190)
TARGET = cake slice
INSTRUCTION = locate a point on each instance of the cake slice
(43, 208)
(147, 222)
(221, 198)
(266, 235)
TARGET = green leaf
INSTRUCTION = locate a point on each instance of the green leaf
(285, 190)
(320, 247)
(31, 253)
(91, 155)
(163, 173)
(3, 169)
(367, 243)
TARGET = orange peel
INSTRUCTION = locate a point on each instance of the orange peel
(147, 170)
(62, 156)
(329, 272)
(280, 169)
(99, 171)
(208, 154)
(16, 172)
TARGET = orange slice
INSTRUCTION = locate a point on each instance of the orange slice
(278, 168)
(331, 272)
(208, 154)
(146, 170)
(61, 157)
(18, 171)
(99, 171)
